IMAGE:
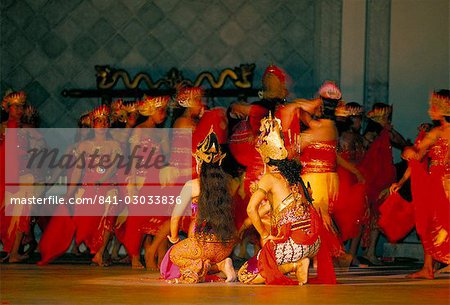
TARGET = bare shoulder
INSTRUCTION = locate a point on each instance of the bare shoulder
(182, 122)
(194, 185)
(266, 181)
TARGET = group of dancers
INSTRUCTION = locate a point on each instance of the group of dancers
(297, 179)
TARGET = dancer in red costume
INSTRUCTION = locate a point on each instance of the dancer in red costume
(30, 120)
(198, 119)
(295, 233)
(96, 180)
(13, 228)
(274, 94)
(273, 100)
(58, 236)
(138, 227)
(350, 210)
(319, 158)
(213, 234)
(431, 191)
(381, 137)
(126, 115)
(396, 213)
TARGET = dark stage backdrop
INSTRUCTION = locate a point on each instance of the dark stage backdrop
(48, 46)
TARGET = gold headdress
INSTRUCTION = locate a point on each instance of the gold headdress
(149, 105)
(344, 110)
(380, 115)
(116, 105)
(440, 104)
(330, 90)
(189, 96)
(270, 142)
(14, 98)
(130, 107)
(85, 120)
(101, 112)
(118, 112)
(208, 150)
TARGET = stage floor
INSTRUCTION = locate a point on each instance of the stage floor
(83, 284)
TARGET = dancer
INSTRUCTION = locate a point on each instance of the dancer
(431, 191)
(295, 232)
(212, 236)
(350, 210)
(146, 142)
(13, 228)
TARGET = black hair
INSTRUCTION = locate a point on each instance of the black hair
(291, 170)
(215, 203)
(373, 126)
(329, 107)
(343, 124)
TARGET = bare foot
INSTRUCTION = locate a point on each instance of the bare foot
(150, 263)
(226, 266)
(302, 271)
(17, 258)
(136, 262)
(421, 274)
(98, 260)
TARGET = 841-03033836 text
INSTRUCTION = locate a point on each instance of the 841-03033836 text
(96, 199)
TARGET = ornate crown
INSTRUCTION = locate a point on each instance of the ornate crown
(330, 90)
(116, 105)
(130, 107)
(208, 150)
(270, 143)
(150, 104)
(344, 110)
(85, 120)
(440, 104)
(189, 96)
(118, 112)
(380, 115)
(102, 111)
(14, 98)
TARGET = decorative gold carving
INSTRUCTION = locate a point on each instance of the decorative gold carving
(241, 77)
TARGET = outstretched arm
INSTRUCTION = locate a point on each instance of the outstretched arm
(398, 185)
(419, 151)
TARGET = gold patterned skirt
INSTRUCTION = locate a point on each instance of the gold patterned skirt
(195, 256)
